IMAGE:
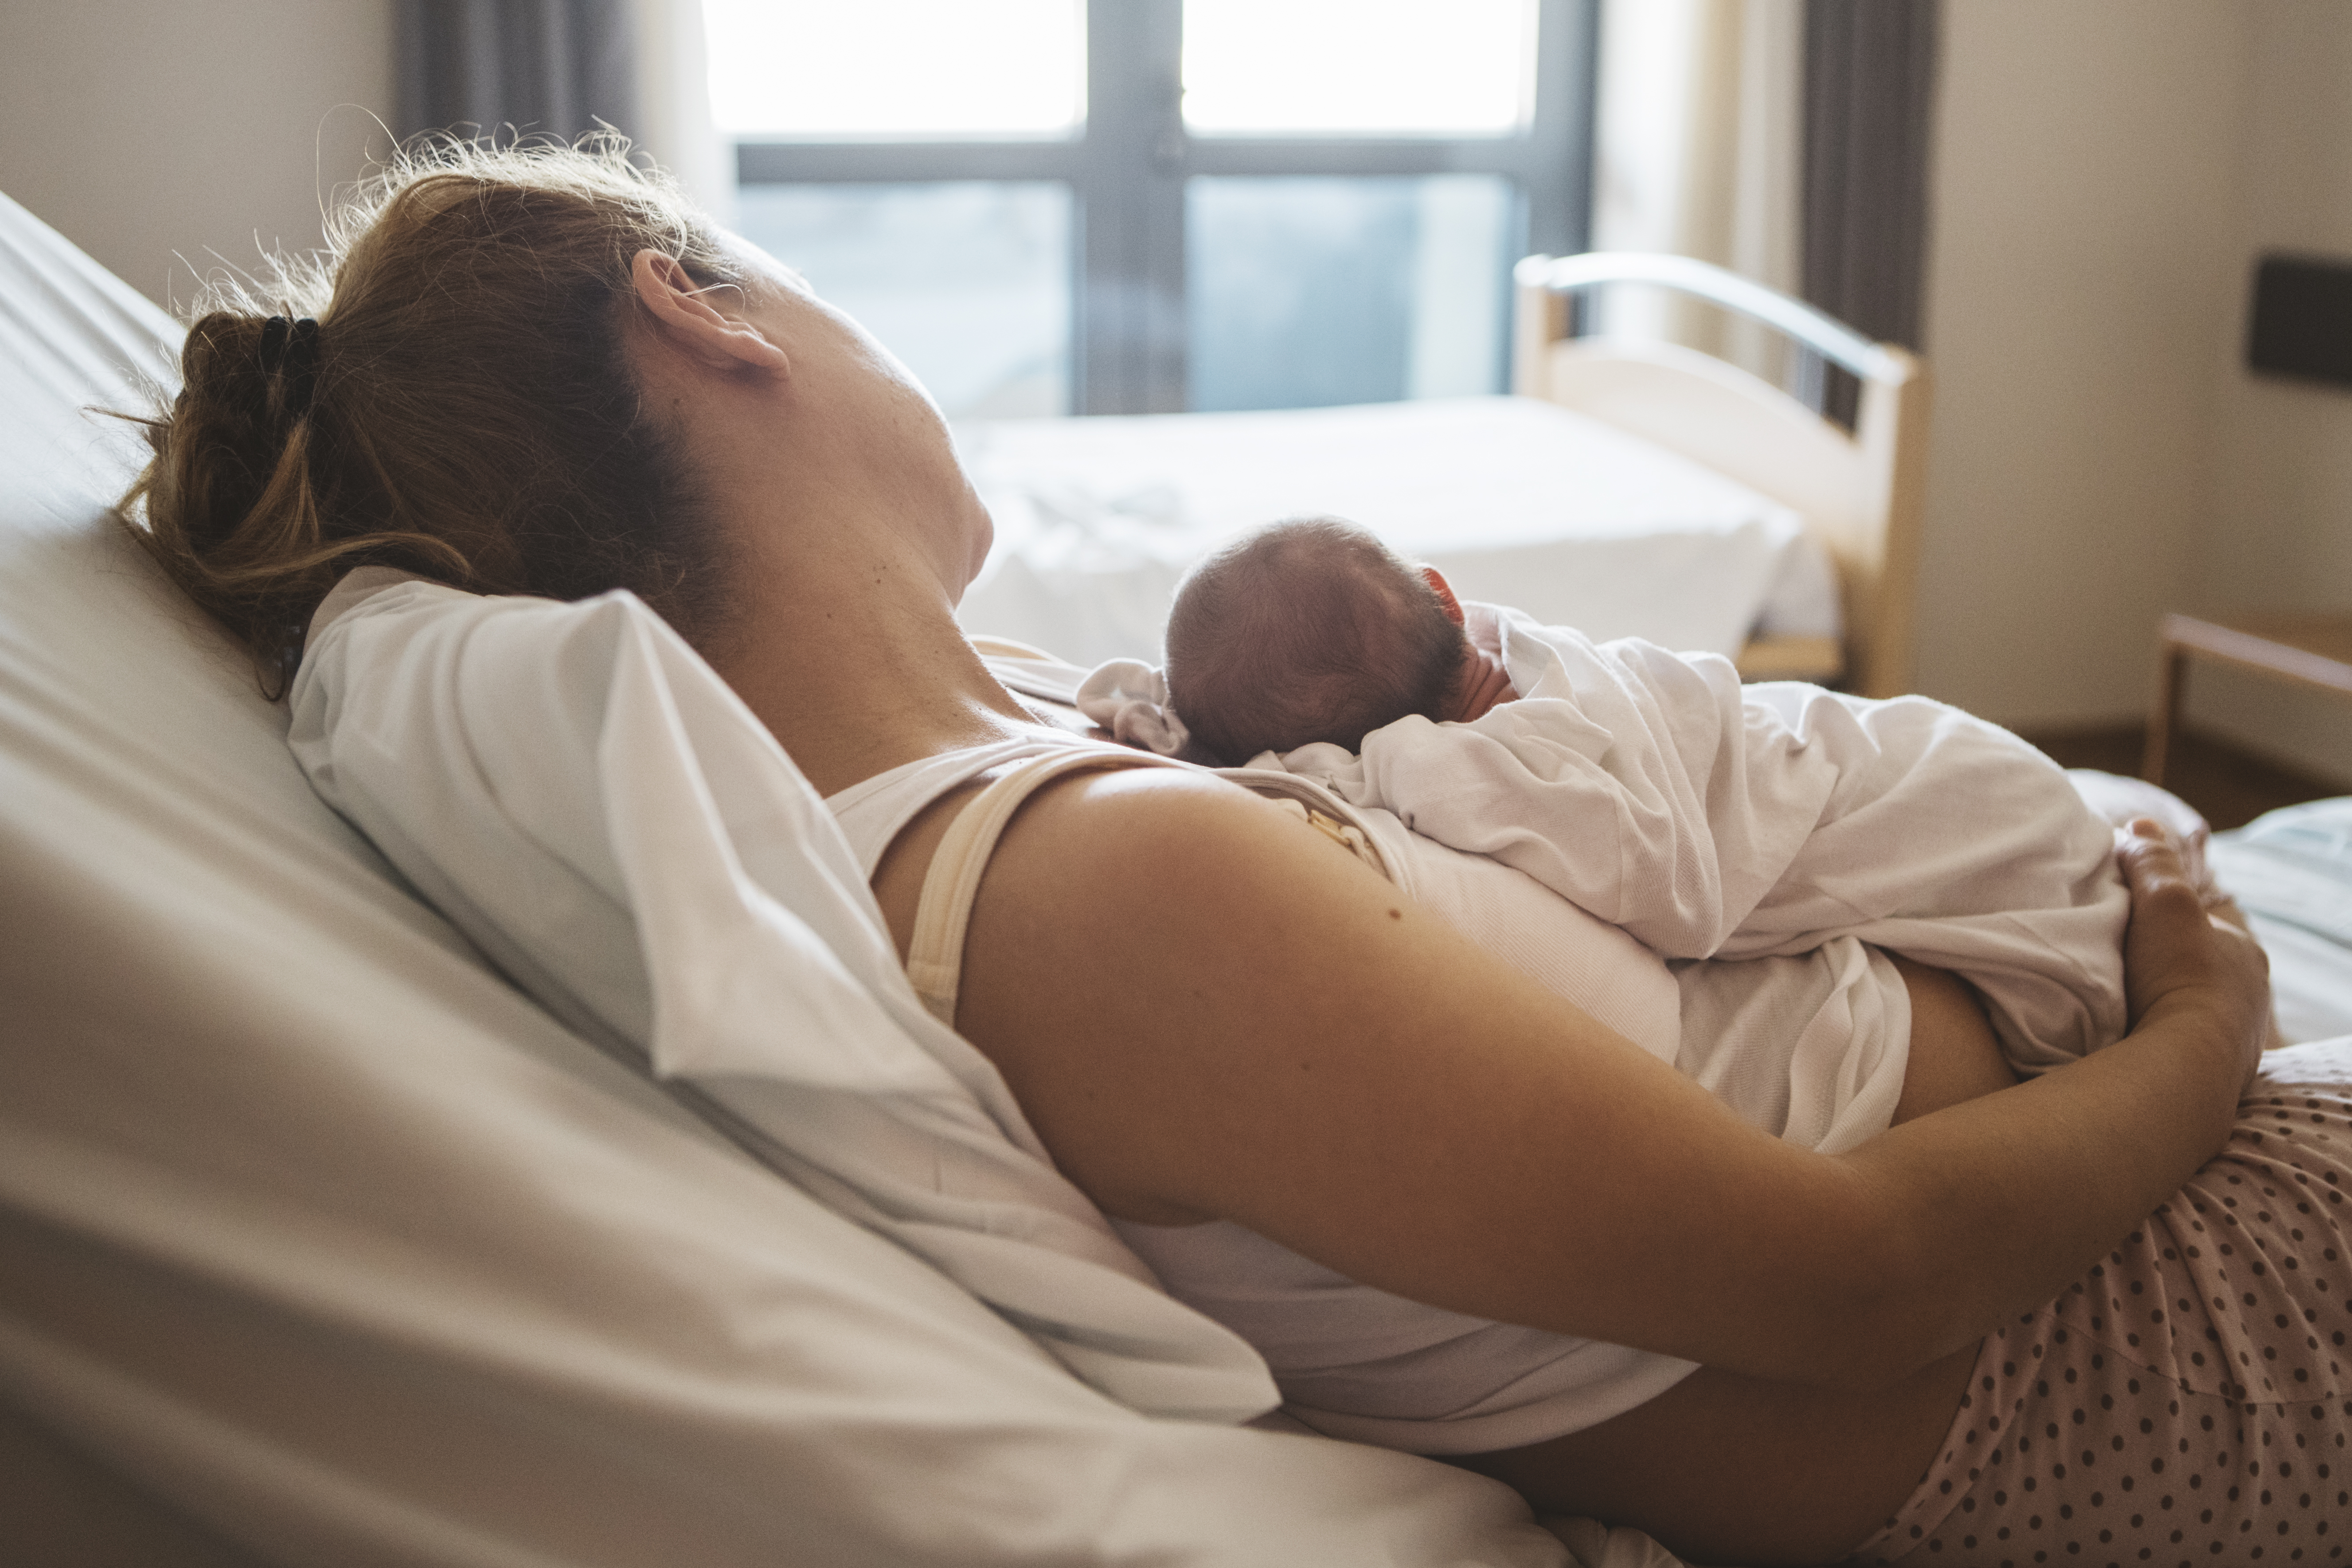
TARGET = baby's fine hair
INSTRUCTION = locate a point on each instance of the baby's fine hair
(1307, 630)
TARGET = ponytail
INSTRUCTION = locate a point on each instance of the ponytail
(459, 403)
(232, 506)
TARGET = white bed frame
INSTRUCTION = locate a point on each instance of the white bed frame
(1859, 494)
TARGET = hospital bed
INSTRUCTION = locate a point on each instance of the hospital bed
(319, 1242)
(1629, 488)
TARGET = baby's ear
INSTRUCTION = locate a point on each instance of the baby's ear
(1444, 592)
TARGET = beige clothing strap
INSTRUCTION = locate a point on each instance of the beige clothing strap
(943, 912)
(943, 915)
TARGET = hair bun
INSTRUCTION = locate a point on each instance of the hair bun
(289, 354)
(468, 407)
(231, 433)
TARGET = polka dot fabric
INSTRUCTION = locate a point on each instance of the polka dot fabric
(2186, 1402)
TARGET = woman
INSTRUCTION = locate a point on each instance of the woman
(539, 373)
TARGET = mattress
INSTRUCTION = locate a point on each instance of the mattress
(1517, 502)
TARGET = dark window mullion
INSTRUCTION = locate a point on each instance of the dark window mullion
(889, 162)
(1358, 156)
(1557, 183)
(1129, 337)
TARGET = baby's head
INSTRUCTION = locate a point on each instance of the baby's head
(1307, 630)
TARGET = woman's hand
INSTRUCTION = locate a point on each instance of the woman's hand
(2179, 956)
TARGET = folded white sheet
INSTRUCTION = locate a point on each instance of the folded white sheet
(578, 791)
(2291, 870)
(1812, 1047)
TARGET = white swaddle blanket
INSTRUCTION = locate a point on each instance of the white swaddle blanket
(1713, 820)
(1792, 827)
(1812, 1047)
(574, 788)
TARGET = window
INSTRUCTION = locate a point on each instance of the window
(1125, 206)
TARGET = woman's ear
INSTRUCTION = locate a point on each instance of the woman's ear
(1444, 592)
(684, 317)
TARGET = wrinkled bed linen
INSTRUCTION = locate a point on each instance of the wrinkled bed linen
(1713, 820)
(2291, 871)
(582, 795)
(1837, 1018)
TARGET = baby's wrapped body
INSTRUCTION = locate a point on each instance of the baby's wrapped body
(1712, 820)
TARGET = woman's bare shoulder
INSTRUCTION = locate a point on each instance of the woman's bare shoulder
(1210, 1010)
(1184, 831)
(1122, 844)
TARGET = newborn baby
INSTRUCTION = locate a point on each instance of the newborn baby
(1313, 630)
(1706, 818)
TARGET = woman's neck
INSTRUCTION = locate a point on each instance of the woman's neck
(859, 668)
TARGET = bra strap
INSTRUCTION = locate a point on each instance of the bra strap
(943, 914)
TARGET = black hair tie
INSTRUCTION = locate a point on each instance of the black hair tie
(290, 349)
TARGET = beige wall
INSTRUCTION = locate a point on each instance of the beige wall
(2084, 253)
(2106, 172)
(2280, 531)
(143, 129)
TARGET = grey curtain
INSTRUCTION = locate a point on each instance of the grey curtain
(542, 66)
(1870, 81)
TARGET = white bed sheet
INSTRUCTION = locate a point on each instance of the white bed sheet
(318, 1242)
(2291, 870)
(1518, 501)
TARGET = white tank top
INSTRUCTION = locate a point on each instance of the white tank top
(1352, 1360)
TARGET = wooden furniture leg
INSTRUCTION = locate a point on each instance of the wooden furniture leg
(2309, 650)
(2171, 671)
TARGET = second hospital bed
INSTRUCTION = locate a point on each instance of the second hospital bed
(1628, 488)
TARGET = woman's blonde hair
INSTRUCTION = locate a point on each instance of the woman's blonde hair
(466, 407)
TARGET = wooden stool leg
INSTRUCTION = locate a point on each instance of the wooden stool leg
(2172, 667)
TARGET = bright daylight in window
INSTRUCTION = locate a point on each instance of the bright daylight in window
(899, 68)
(1367, 68)
(925, 163)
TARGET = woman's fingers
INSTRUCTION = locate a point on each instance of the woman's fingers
(2176, 951)
(2152, 862)
(2166, 944)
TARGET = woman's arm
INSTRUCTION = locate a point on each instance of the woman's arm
(1208, 1014)
(2097, 1144)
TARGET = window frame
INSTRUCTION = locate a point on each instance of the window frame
(1127, 166)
